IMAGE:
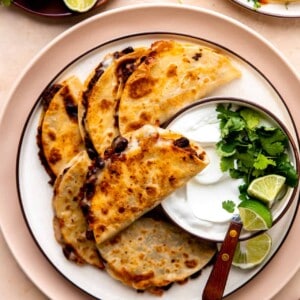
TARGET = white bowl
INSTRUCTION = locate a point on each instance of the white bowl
(197, 207)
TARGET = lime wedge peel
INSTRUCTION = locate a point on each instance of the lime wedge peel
(252, 252)
(80, 5)
(255, 215)
(267, 188)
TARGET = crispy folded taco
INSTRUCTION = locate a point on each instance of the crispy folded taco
(59, 138)
(101, 99)
(171, 76)
(71, 227)
(151, 254)
(141, 169)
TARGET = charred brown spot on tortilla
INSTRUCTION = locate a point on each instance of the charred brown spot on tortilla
(197, 55)
(202, 155)
(51, 135)
(172, 180)
(71, 254)
(105, 104)
(55, 155)
(103, 187)
(102, 228)
(145, 117)
(135, 125)
(172, 71)
(191, 263)
(121, 210)
(150, 190)
(141, 87)
(89, 235)
(104, 211)
(137, 278)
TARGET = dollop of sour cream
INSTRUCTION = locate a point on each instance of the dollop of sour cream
(206, 192)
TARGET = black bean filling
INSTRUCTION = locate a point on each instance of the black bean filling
(48, 94)
(71, 106)
(182, 142)
(119, 144)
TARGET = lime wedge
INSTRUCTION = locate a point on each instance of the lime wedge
(266, 188)
(255, 215)
(80, 5)
(252, 252)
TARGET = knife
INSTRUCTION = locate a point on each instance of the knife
(216, 282)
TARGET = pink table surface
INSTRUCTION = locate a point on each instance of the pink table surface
(22, 35)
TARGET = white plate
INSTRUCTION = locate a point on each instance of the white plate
(152, 19)
(36, 193)
(289, 10)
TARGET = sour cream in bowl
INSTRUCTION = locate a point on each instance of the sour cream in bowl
(198, 207)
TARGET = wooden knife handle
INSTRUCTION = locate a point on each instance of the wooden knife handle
(216, 282)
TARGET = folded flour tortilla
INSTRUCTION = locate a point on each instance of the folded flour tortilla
(59, 137)
(101, 100)
(70, 224)
(138, 177)
(151, 254)
(171, 76)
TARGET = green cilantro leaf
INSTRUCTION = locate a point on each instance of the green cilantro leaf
(248, 150)
(229, 120)
(232, 124)
(262, 162)
(273, 141)
(225, 149)
(226, 163)
(286, 169)
(228, 205)
(251, 117)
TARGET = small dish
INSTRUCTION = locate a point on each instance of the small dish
(49, 8)
(289, 9)
(197, 207)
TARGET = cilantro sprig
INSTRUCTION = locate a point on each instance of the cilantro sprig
(228, 205)
(249, 150)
